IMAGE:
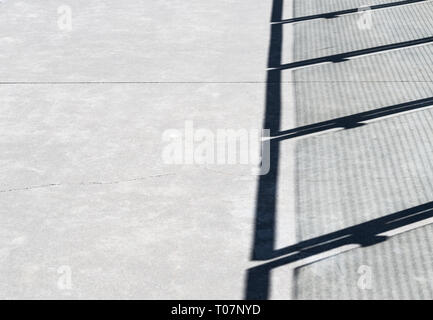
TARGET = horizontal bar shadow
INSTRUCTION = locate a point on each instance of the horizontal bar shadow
(352, 121)
(334, 14)
(345, 56)
(364, 234)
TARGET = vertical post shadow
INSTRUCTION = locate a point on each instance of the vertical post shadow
(264, 235)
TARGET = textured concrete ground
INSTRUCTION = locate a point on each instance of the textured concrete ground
(88, 209)
(82, 116)
(358, 174)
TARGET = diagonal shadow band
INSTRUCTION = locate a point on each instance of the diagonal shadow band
(335, 58)
(364, 234)
(334, 14)
(353, 121)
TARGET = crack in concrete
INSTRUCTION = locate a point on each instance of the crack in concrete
(88, 183)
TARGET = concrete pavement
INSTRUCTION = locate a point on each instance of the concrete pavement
(90, 210)
(88, 207)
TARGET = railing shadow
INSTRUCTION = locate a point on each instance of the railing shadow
(341, 57)
(354, 120)
(334, 14)
(365, 234)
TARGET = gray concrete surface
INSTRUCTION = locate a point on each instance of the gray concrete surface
(83, 183)
(356, 175)
(89, 209)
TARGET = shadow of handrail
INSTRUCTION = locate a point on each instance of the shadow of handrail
(334, 14)
(368, 233)
(353, 121)
(364, 234)
(335, 58)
